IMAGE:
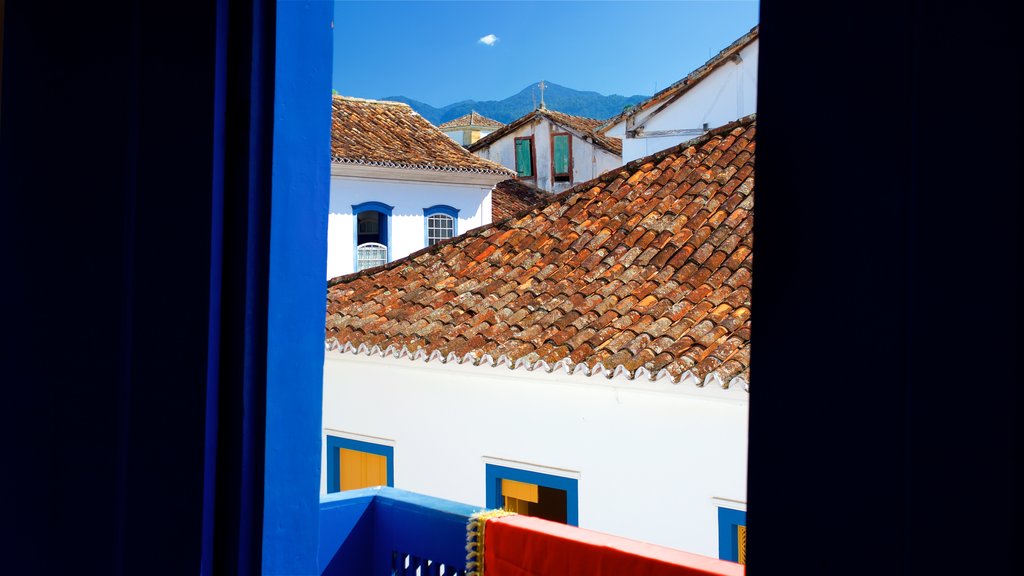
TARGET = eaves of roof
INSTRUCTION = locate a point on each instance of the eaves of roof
(677, 89)
(609, 144)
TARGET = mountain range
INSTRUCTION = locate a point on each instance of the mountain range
(576, 102)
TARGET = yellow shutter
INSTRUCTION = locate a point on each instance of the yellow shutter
(516, 505)
(362, 469)
(520, 490)
(741, 543)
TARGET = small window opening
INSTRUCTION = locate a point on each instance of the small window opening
(524, 157)
(439, 227)
(534, 500)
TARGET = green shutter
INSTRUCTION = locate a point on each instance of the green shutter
(524, 163)
(561, 154)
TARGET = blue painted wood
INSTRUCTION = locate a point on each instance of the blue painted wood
(440, 209)
(427, 531)
(346, 532)
(333, 459)
(728, 539)
(298, 266)
(374, 206)
(495, 474)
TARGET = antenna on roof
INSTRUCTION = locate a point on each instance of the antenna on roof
(542, 94)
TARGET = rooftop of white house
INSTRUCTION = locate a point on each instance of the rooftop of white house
(471, 119)
(643, 272)
(584, 128)
(673, 92)
(391, 134)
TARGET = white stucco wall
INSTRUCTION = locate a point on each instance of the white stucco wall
(727, 94)
(649, 456)
(408, 198)
(588, 161)
(455, 135)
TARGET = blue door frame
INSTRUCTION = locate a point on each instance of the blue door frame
(495, 474)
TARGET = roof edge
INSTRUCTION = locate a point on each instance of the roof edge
(686, 82)
(712, 380)
(431, 167)
(370, 101)
(513, 125)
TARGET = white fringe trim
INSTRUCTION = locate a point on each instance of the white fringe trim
(564, 365)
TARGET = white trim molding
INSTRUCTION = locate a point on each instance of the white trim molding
(730, 504)
(562, 472)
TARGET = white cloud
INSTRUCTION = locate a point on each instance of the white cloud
(489, 40)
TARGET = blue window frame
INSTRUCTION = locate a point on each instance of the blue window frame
(334, 446)
(729, 521)
(495, 474)
(440, 222)
(375, 231)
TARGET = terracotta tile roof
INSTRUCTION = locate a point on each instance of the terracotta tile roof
(583, 127)
(642, 272)
(471, 119)
(381, 133)
(512, 196)
(676, 90)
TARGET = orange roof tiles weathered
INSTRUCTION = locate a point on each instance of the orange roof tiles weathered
(381, 133)
(673, 92)
(644, 271)
(585, 127)
(471, 119)
(512, 196)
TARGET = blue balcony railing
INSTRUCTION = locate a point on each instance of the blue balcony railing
(384, 531)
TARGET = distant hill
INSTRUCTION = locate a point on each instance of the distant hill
(560, 98)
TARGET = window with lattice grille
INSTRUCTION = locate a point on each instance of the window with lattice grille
(439, 227)
(371, 254)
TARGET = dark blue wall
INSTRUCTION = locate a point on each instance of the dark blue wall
(147, 270)
(106, 166)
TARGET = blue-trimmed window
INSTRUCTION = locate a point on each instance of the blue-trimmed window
(531, 493)
(732, 535)
(354, 464)
(440, 222)
(371, 234)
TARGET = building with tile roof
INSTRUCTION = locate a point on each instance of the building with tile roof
(398, 184)
(720, 91)
(594, 342)
(511, 196)
(551, 150)
(469, 128)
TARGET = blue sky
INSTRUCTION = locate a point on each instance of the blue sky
(432, 51)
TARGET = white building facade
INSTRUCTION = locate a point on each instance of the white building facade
(408, 209)
(652, 461)
(584, 360)
(398, 185)
(551, 151)
(723, 90)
